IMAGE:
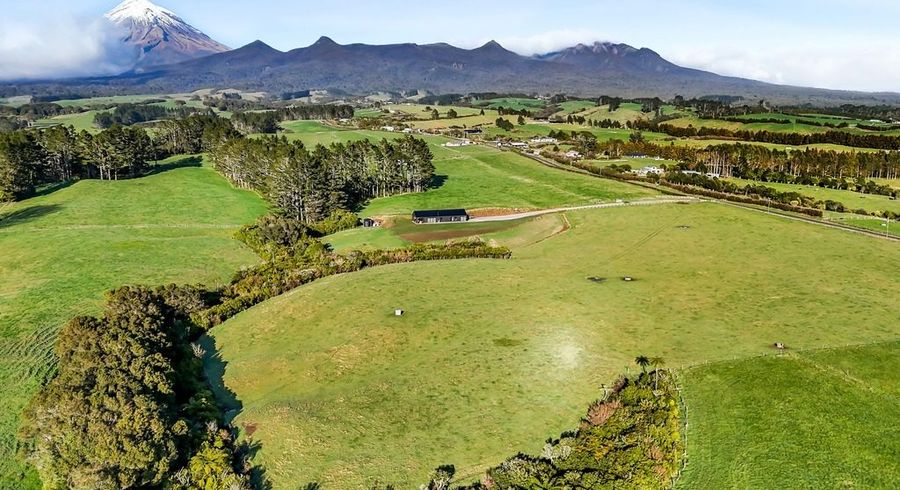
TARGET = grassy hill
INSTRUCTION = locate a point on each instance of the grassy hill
(493, 357)
(63, 250)
(818, 419)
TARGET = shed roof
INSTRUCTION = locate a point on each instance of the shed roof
(439, 213)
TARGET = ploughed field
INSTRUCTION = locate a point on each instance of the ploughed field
(493, 357)
(61, 251)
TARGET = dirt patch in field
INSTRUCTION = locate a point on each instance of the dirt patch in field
(424, 233)
(491, 212)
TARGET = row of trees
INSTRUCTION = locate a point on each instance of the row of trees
(32, 158)
(309, 185)
(131, 114)
(845, 138)
(810, 165)
(267, 122)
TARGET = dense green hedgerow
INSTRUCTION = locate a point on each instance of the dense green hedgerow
(630, 439)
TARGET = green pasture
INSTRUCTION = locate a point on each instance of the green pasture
(63, 249)
(82, 121)
(493, 357)
(818, 419)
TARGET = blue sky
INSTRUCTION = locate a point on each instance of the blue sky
(823, 43)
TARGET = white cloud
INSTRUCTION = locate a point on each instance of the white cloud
(866, 67)
(866, 64)
(59, 46)
(550, 41)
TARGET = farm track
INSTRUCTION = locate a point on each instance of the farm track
(806, 219)
(642, 202)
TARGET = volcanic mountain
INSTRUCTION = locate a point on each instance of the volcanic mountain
(160, 37)
(582, 70)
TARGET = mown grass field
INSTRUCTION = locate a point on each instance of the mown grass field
(480, 177)
(60, 252)
(493, 357)
(819, 419)
(851, 199)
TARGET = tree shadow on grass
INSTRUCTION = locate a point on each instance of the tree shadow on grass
(50, 189)
(186, 162)
(437, 181)
(28, 214)
(214, 366)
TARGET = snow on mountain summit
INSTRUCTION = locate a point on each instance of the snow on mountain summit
(158, 35)
(142, 11)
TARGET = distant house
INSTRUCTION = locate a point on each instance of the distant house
(573, 154)
(518, 144)
(370, 223)
(545, 140)
(389, 129)
(650, 170)
(440, 216)
(473, 131)
(636, 155)
(456, 144)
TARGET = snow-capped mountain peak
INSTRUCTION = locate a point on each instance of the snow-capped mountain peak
(159, 35)
(142, 11)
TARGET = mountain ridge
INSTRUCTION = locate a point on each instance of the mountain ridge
(586, 70)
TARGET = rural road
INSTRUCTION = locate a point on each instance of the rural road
(640, 202)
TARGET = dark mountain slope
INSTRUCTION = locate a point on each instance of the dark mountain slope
(602, 68)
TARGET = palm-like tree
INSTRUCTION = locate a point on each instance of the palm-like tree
(657, 362)
(643, 362)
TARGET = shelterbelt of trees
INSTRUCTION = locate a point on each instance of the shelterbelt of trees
(309, 185)
(29, 158)
(811, 166)
(266, 122)
(845, 138)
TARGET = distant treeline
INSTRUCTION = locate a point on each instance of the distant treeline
(866, 112)
(772, 120)
(131, 114)
(38, 110)
(267, 122)
(875, 141)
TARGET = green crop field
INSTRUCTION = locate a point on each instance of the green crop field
(493, 357)
(82, 121)
(818, 419)
(62, 250)
(851, 199)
